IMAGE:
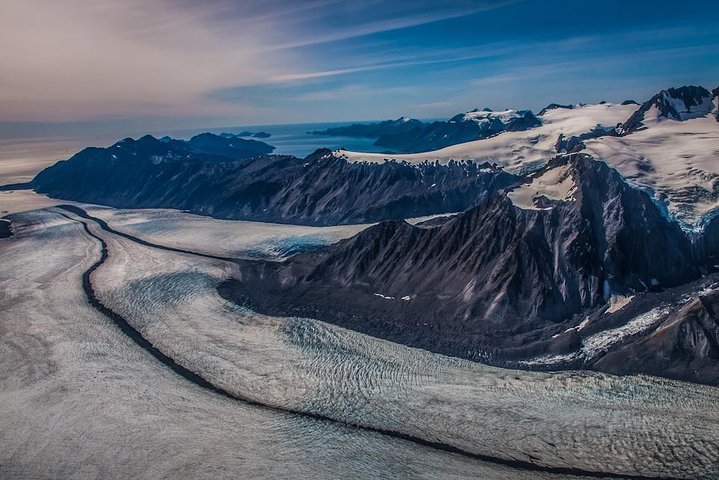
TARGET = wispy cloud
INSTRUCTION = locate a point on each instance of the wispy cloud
(73, 59)
(420, 13)
(242, 61)
(435, 58)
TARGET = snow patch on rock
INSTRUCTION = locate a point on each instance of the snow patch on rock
(601, 341)
(554, 184)
(617, 302)
(383, 296)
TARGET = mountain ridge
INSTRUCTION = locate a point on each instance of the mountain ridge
(681, 103)
(321, 189)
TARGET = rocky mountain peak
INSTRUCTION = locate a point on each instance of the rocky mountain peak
(554, 106)
(679, 104)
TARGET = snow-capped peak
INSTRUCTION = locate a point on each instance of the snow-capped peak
(487, 115)
(669, 147)
(678, 104)
(684, 105)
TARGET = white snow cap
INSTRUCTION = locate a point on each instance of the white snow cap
(553, 184)
(685, 112)
(486, 115)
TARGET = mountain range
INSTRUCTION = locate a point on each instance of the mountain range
(509, 280)
(673, 159)
(407, 135)
(464, 127)
(587, 236)
(322, 189)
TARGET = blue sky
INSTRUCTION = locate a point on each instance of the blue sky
(179, 63)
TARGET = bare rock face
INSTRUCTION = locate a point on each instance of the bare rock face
(496, 278)
(575, 143)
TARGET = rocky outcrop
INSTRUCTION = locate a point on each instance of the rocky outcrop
(555, 106)
(575, 143)
(321, 189)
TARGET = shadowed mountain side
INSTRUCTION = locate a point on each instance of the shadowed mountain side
(231, 147)
(318, 190)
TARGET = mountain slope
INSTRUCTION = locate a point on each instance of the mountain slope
(319, 190)
(499, 280)
(684, 345)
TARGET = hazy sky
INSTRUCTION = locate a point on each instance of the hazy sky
(146, 64)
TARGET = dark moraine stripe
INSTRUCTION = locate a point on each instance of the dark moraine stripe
(5, 228)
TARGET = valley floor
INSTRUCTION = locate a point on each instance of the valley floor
(82, 399)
